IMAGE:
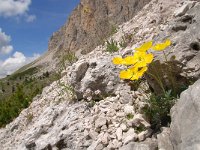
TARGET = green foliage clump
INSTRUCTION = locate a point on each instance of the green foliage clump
(20, 91)
(70, 57)
(67, 59)
(68, 89)
(12, 106)
(158, 111)
(140, 128)
(130, 116)
(112, 46)
(20, 75)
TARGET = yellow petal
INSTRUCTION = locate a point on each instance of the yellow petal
(144, 47)
(162, 46)
(139, 73)
(158, 47)
(149, 58)
(126, 74)
(134, 69)
(142, 71)
(140, 54)
(118, 61)
(141, 64)
(129, 60)
(135, 77)
(167, 42)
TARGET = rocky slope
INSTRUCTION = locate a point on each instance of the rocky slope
(55, 121)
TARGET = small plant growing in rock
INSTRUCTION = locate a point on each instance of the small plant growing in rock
(69, 89)
(112, 46)
(130, 116)
(91, 103)
(140, 128)
(70, 58)
(67, 58)
(29, 117)
(140, 65)
(158, 110)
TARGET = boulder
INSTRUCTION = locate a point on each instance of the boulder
(119, 133)
(146, 145)
(185, 129)
(129, 136)
(164, 142)
(184, 8)
(100, 122)
(94, 74)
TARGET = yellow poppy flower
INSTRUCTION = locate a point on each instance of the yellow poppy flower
(118, 61)
(162, 46)
(144, 47)
(142, 59)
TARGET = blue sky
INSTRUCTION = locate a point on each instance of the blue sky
(25, 28)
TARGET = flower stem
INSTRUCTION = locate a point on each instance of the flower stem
(158, 81)
(165, 56)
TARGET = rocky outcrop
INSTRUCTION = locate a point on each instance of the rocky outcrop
(184, 33)
(186, 114)
(184, 130)
(94, 78)
(93, 21)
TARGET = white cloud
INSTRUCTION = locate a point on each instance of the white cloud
(13, 63)
(9, 8)
(30, 18)
(17, 9)
(5, 48)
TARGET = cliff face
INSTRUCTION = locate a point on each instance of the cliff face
(91, 22)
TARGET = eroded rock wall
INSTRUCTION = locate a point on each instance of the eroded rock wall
(91, 22)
